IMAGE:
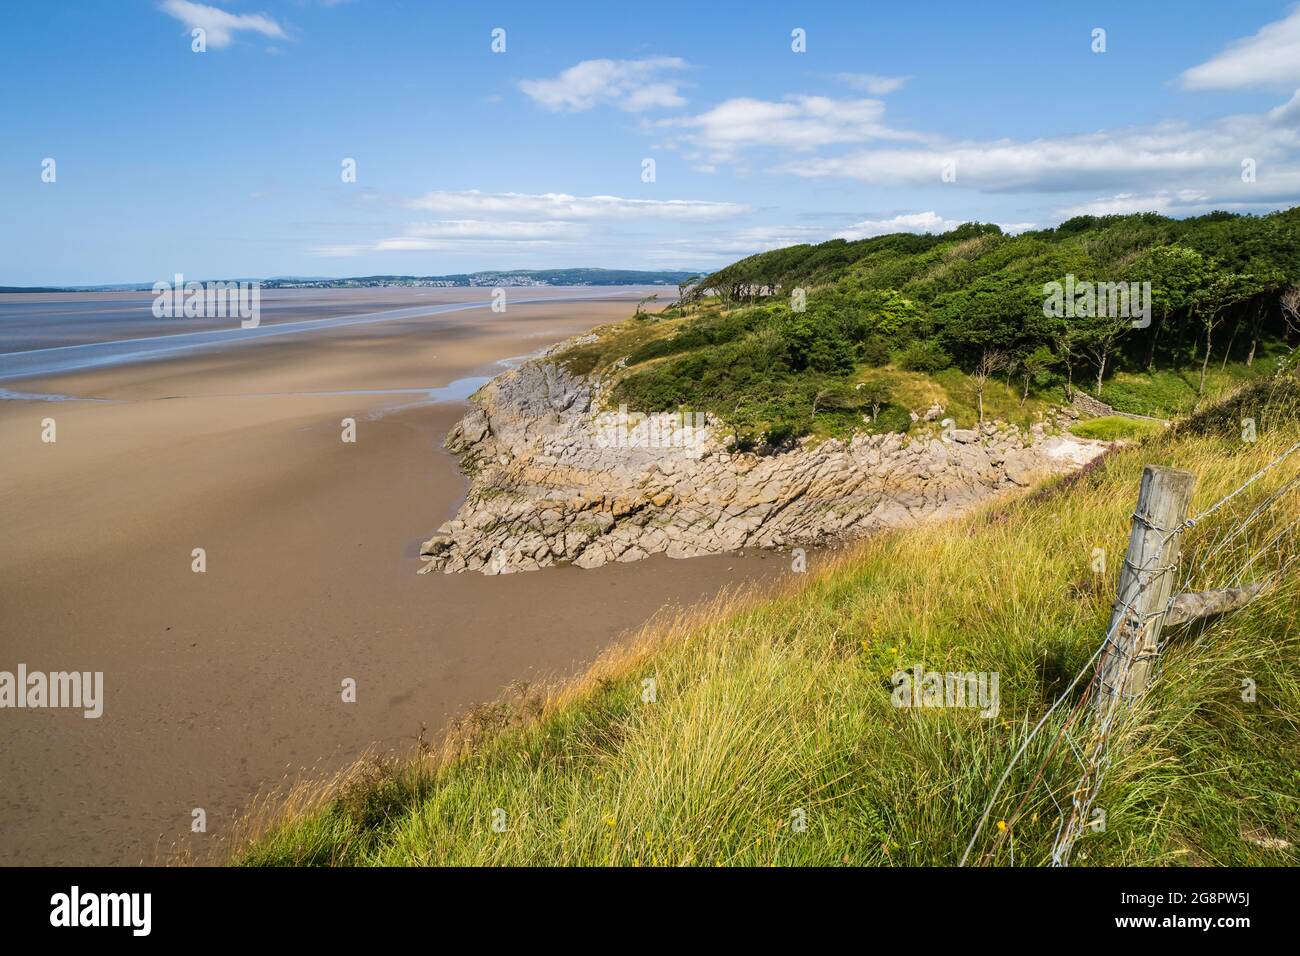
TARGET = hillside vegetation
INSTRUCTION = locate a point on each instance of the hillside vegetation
(810, 339)
(761, 730)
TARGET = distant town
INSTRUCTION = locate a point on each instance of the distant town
(521, 277)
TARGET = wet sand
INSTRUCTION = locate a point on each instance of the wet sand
(218, 684)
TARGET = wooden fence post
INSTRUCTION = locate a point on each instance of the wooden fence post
(1145, 583)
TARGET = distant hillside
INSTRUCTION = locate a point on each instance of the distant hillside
(513, 277)
(491, 279)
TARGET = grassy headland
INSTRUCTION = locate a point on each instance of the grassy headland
(768, 709)
(714, 737)
(809, 339)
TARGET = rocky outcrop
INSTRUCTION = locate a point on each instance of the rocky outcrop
(554, 481)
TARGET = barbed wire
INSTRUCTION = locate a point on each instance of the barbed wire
(1244, 485)
(1029, 738)
(1240, 528)
(1098, 760)
(1095, 757)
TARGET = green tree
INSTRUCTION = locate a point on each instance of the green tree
(817, 345)
(687, 290)
(1224, 290)
(875, 392)
(1176, 273)
(1034, 368)
(889, 312)
(1099, 336)
(1272, 284)
(1067, 343)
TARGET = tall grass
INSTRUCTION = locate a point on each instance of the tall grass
(1114, 428)
(771, 737)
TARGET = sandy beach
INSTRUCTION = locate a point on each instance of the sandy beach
(218, 684)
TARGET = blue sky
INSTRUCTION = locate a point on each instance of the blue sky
(228, 162)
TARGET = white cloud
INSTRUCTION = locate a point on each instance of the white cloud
(851, 139)
(453, 234)
(694, 253)
(1288, 114)
(1270, 59)
(755, 239)
(481, 229)
(418, 244)
(1166, 156)
(1068, 162)
(1191, 202)
(631, 85)
(872, 83)
(505, 223)
(917, 222)
(746, 242)
(1124, 203)
(798, 122)
(778, 236)
(907, 222)
(338, 250)
(564, 206)
(219, 25)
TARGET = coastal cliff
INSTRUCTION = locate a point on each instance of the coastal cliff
(553, 480)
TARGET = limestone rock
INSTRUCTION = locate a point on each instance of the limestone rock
(554, 479)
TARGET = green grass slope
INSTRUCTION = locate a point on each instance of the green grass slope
(771, 712)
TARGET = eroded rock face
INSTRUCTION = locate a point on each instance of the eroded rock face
(552, 481)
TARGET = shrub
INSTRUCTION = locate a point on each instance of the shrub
(892, 418)
(780, 434)
(922, 357)
(875, 351)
